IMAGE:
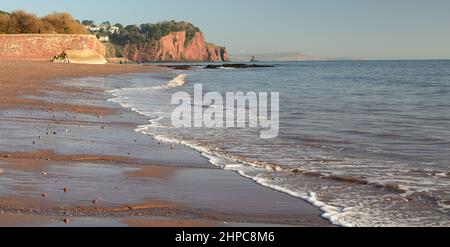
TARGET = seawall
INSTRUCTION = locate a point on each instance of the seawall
(46, 46)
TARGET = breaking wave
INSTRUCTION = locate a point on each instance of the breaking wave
(178, 81)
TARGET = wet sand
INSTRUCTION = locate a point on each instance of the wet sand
(79, 162)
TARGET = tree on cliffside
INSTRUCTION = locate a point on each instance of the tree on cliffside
(88, 23)
(22, 22)
(63, 23)
(149, 32)
(4, 18)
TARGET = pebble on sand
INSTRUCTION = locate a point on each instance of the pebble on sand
(44, 195)
(66, 221)
(66, 190)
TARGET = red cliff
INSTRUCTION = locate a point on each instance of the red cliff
(175, 48)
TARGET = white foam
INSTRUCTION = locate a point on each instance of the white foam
(121, 99)
(331, 213)
(178, 81)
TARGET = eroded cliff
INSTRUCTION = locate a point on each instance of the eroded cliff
(175, 47)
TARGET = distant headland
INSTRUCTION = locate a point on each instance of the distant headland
(285, 57)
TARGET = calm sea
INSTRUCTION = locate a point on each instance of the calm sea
(366, 141)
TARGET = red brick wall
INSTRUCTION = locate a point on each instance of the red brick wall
(45, 46)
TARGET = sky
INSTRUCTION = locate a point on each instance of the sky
(365, 29)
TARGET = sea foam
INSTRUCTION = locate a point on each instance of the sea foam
(178, 81)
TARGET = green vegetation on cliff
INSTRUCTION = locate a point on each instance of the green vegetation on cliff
(19, 22)
(152, 32)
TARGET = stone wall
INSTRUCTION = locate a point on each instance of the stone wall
(45, 46)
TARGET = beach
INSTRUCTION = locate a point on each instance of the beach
(68, 157)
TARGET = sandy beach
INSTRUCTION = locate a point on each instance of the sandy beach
(68, 157)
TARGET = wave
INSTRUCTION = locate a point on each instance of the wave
(257, 170)
(178, 81)
(249, 168)
(264, 173)
(330, 213)
(238, 165)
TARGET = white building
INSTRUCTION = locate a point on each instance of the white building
(104, 39)
(113, 29)
(103, 29)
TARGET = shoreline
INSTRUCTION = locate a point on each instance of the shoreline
(50, 152)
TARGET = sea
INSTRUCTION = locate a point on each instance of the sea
(367, 142)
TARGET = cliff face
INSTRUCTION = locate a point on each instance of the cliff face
(217, 53)
(174, 48)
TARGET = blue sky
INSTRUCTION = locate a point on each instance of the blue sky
(374, 29)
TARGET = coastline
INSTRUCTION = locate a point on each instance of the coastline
(82, 164)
